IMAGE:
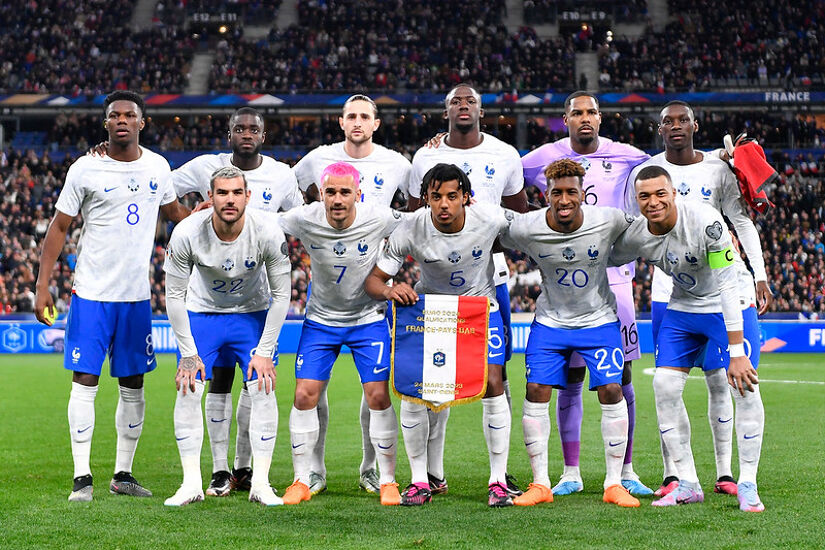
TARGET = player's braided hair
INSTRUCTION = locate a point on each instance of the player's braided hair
(124, 95)
(442, 172)
(564, 168)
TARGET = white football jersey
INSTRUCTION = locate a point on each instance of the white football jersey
(119, 202)
(494, 168)
(450, 263)
(272, 184)
(682, 253)
(383, 172)
(710, 182)
(227, 277)
(575, 292)
(341, 260)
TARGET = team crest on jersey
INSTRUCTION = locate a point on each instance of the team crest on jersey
(228, 264)
(593, 252)
(439, 359)
(490, 170)
(378, 180)
(133, 185)
(672, 258)
(706, 193)
(628, 218)
(339, 249)
(585, 162)
(691, 259)
(299, 362)
(250, 263)
(466, 168)
(568, 253)
(363, 247)
(509, 215)
(284, 248)
(607, 166)
(76, 356)
(396, 214)
(714, 231)
(267, 195)
(153, 185)
(477, 254)
(454, 257)
(683, 189)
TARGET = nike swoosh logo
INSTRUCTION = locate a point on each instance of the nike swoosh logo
(409, 427)
(611, 375)
(528, 444)
(135, 425)
(298, 445)
(724, 421)
(495, 427)
(682, 500)
(267, 438)
(107, 189)
(614, 444)
(631, 350)
(751, 436)
(217, 420)
(182, 438)
(313, 247)
(150, 361)
(565, 408)
(430, 261)
(665, 431)
(84, 429)
(379, 371)
(545, 255)
(387, 447)
(494, 354)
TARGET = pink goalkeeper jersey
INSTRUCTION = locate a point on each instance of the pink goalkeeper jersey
(605, 183)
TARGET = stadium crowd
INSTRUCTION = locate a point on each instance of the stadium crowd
(792, 235)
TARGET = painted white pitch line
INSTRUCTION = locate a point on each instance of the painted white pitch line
(650, 371)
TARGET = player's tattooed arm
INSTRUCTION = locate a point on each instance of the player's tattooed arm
(188, 370)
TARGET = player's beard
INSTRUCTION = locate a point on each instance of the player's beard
(465, 127)
(248, 154)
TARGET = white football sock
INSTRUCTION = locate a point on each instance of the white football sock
(188, 420)
(536, 425)
(415, 428)
(368, 459)
(384, 438)
(614, 435)
(497, 423)
(218, 422)
(129, 417)
(667, 462)
(318, 462)
(243, 446)
(303, 434)
(507, 394)
(81, 412)
(435, 443)
(263, 427)
(674, 424)
(750, 425)
(720, 416)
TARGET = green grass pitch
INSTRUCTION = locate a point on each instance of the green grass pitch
(36, 471)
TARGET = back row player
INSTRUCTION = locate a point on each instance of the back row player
(382, 173)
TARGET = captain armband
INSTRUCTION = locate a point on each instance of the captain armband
(720, 259)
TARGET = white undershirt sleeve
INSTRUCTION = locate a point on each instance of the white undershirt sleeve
(280, 287)
(178, 316)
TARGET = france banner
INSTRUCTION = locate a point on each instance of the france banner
(439, 350)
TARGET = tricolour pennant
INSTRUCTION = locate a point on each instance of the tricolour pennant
(439, 350)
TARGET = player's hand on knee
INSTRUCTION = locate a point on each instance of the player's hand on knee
(266, 372)
(403, 294)
(742, 375)
(188, 369)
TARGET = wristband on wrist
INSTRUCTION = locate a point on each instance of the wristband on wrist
(736, 350)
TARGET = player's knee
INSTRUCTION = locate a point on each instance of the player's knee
(85, 379)
(495, 381)
(132, 382)
(377, 395)
(306, 394)
(575, 375)
(222, 379)
(538, 393)
(610, 394)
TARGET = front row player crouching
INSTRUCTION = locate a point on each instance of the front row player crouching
(343, 237)
(452, 243)
(575, 312)
(226, 256)
(693, 246)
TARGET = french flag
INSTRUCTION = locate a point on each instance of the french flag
(439, 350)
